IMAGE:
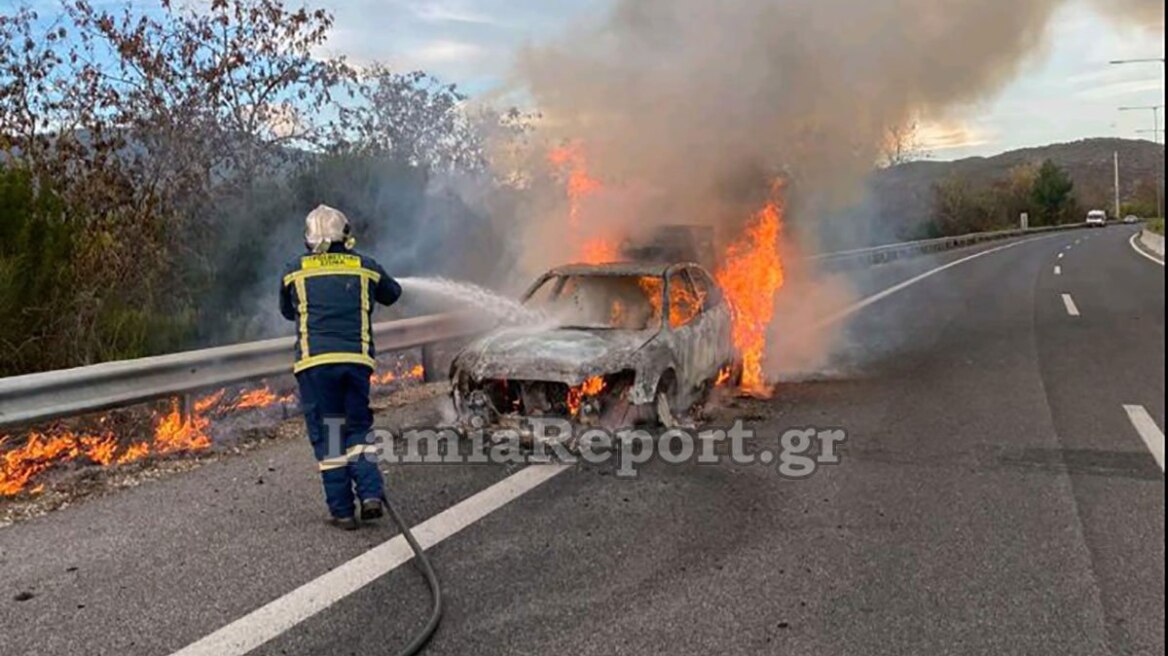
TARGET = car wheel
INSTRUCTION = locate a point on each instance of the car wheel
(697, 409)
(664, 401)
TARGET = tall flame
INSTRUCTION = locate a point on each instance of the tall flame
(751, 274)
(571, 160)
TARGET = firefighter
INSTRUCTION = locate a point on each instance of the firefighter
(329, 292)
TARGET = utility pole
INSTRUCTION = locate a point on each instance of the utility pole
(1117, 185)
(1155, 129)
(1142, 60)
(1155, 138)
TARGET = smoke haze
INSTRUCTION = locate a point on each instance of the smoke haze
(697, 104)
(688, 109)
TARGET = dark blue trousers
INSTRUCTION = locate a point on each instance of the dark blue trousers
(335, 400)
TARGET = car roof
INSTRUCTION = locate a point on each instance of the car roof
(619, 269)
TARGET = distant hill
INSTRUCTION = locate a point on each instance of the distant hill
(903, 194)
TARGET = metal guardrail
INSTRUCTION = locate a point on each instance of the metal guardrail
(890, 252)
(65, 392)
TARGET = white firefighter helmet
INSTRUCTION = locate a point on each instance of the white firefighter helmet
(325, 226)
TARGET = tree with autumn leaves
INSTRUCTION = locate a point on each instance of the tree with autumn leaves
(133, 145)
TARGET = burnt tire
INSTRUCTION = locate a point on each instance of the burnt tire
(663, 401)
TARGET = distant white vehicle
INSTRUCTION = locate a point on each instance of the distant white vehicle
(1097, 218)
(1131, 218)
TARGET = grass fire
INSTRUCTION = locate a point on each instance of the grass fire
(167, 432)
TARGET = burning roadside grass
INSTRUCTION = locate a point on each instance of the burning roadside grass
(112, 439)
(80, 456)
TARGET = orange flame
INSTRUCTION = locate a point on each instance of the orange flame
(571, 159)
(750, 276)
(598, 251)
(652, 288)
(684, 304)
(589, 388)
(259, 398)
(176, 433)
(173, 433)
(723, 377)
(417, 372)
(43, 451)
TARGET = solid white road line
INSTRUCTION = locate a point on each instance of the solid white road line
(1058, 270)
(1070, 304)
(268, 622)
(860, 305)
(1148, 430)
(1136, 248)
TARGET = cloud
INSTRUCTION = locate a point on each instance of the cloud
(1115, 89)
(468, 42)
(951, 136)
(443, 12)
(444, 51)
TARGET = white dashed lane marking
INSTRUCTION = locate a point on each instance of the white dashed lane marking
(1069, 302)
(1148, 430)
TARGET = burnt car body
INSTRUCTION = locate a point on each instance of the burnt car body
(624, 342)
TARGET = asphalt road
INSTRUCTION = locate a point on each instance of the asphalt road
(994, 497)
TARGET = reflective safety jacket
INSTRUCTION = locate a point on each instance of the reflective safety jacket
(330, 296)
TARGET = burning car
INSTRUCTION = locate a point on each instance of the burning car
(622, 343)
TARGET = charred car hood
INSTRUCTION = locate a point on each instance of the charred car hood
(567, 355)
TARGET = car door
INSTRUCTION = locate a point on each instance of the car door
(693, 331)
(714, 325)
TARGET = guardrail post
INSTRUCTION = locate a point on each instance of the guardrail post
(186, 408)
(429, 364)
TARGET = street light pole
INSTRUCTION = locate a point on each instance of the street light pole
(1141, 60)
(1117, 185)
(1155, 138)
(1155, 130)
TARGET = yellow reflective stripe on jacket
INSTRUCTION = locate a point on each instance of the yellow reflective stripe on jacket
(366, 310)
(353, 453)
(334, 358)
(333, 463)
(357, 451)
(302, 311)
(324, 260)
(303, 274)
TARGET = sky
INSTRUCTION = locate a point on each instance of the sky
(1066, 91)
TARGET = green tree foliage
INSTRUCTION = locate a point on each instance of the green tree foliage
(36, 246)
(1044, 192)
(1051, 194)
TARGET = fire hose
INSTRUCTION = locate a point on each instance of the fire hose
(427, 631)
